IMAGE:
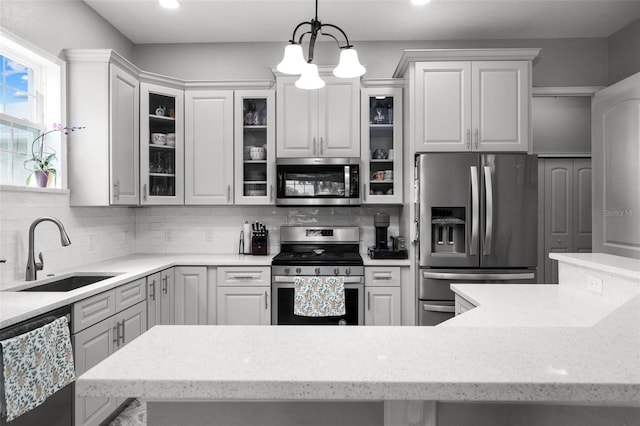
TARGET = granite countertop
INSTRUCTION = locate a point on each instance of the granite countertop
(577, 349)
(16, 306)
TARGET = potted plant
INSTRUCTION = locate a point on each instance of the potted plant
(42, 157)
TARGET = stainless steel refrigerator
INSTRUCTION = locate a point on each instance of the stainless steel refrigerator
(477, 223)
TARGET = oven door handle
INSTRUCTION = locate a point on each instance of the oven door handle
(291, 280)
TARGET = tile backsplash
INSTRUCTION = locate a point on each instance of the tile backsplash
(99, 233)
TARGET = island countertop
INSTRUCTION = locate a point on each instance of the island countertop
(592, 361)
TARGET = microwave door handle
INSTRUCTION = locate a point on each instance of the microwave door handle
(347, 181)
(488, 232)
(475, 210)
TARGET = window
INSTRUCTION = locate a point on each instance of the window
(30, 103)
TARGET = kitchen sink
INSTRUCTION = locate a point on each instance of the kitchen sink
(69, 283)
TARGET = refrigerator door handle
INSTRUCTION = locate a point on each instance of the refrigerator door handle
(475, 210)
(479, 276)
(488, 231)
(438, 308)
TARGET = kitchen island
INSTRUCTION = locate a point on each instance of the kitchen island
(581, 351)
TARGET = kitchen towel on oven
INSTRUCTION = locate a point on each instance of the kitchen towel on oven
(35, 365)
(319, 296)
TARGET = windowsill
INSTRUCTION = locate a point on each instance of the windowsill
(18, 188)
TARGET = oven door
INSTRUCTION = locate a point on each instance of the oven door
(318, 181)
(282, 300)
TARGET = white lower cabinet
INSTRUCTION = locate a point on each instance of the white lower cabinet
(97, 341)
(243, 296)
(382, 296)
(193, 297)
(463, 305)
(160, 306)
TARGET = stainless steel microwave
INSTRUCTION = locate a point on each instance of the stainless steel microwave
(318, 182)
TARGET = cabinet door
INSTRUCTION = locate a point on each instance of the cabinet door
(91, 346)
(558, 220)
(339, 118)
(383, 306)
(167, 306)
(132, 322)
(209, 147)
(254, 149)
(154, 307)
(381, 117)
(500, 105)
(443, 106)
(192, 296)
(297, 122)
(124, 125)
(582, 205)
(161, 145)
(244, 305)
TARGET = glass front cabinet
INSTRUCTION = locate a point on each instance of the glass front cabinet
(161, 145)
(255, 155)
(381, 148)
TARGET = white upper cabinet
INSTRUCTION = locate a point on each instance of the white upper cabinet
(103, 96)
(318, 123)
(472, 106)
(208, 147)
(255, 156)
(162, 145)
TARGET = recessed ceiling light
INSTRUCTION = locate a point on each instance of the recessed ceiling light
(169, 4)
(420, 2)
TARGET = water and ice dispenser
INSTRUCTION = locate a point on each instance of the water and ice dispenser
(448, 230)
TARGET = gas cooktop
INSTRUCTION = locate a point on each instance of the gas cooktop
(313, 258)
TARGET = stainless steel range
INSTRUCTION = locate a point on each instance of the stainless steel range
(317, 251)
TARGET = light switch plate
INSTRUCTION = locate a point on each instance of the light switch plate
(595, 284)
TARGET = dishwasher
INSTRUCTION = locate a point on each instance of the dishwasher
(57, 410)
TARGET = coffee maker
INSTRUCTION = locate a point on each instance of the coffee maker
(382, 250)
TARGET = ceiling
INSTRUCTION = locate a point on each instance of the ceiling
(205, 21)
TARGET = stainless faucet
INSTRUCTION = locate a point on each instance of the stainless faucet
(32, 265)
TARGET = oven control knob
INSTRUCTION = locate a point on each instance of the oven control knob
(287, 271)
(336, 271)
(317, 271)
(347, 271)
(298, 270)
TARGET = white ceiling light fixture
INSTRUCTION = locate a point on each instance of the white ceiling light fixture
(169, 4)
(293, 61)
(420, 2)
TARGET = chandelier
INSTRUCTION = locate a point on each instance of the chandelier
(294, 63)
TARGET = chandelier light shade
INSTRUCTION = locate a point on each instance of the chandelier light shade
(310, 79)
(349, 65)
(294, 63)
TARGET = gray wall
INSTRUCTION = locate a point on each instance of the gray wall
(624, 52)
(56, 25)
(562, 62)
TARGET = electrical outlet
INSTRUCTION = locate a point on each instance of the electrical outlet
(167, 235)
(208, 236)
(595, 284)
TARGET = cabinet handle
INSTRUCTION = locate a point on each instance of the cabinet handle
(321, 145)
(116, 332)
(468, 138)
(266, 300)
(153, 287)
(165, 284)
(477, 137)
(368, 301)
(144, 192)
(382, 275)
(314, 145)
(364, 191)
(271, 192)
(229, 193)
(116, 190)
(123, 331)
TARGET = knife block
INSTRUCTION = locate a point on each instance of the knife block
(260, 243)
